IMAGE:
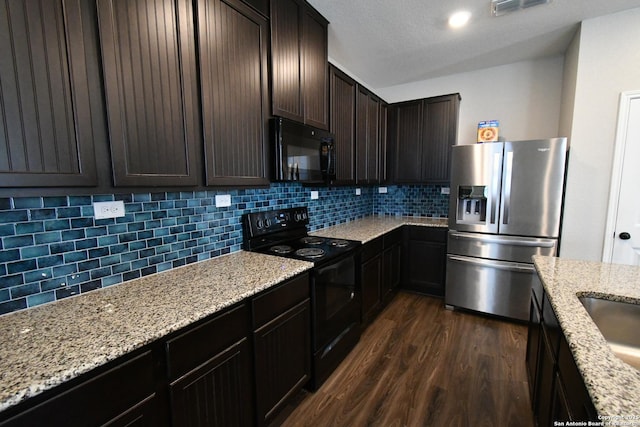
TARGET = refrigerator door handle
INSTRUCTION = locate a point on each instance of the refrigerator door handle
(540, 243)
(495, 185)
(506, 202)
(498, 265)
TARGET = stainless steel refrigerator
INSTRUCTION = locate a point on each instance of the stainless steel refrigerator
(505, 206)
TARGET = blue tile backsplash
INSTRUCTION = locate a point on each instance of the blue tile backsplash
(52, 247)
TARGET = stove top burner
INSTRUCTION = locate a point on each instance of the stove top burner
(312, 240)
(339, 243)
(310, 252)
(281, 249)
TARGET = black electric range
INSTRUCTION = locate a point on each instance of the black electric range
(335, 292)
(283, 232)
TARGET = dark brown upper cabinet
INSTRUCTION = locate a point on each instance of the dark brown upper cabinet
(383, 132)
(367, 137)
(421, 134)
(342, 112)
(46, 136)
(233, 42)
(148, 56)
(299, 63)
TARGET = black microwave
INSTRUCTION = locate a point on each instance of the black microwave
(302, 153)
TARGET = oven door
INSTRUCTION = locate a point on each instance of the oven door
(335, 300)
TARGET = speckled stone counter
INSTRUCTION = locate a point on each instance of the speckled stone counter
(614, 386)
(47, 345)
(369, 228)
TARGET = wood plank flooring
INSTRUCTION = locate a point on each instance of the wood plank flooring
(421, 365)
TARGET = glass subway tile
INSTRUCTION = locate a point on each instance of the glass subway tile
(41, 298)
(50, 202)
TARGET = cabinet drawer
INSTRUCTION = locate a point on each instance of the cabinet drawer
(392, 237)
(276, 301)
(202, 342)
(99, 400)
(371, 249)
(431, 234)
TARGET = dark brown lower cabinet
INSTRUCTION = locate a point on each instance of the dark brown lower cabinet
(425, 258)
(371, 278)
(121, 396)
(391, 264)
(558, 393)
(216, 393)
(282, 345)
(210, 372)
(380, 272)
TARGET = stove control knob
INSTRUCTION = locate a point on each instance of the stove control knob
(298, 216)
(259, 224)
(267, 222)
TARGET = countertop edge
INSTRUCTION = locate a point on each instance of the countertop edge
(614, 386)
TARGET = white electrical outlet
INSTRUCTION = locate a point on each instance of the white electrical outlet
(314, 195)
(444, 190)
(382, 190)
(358, 192)
(103, 210)
(223, 200)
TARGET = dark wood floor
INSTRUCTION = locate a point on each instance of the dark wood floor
(421, 365)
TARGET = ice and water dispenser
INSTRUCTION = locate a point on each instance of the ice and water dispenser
(472, 204)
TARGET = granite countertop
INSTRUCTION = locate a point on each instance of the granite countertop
(614, 386)
(47, 345)
(371, 227)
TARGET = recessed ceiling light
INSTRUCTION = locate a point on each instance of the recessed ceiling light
(459, 19)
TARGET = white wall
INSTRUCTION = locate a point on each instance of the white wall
(524, 96)
(608, 63)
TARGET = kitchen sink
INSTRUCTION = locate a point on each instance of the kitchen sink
(619, 323)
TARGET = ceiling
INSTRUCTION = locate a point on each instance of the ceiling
(389, 42)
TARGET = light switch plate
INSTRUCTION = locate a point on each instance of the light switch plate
(444, 190)
(103, 210)
(223, 200)
(314, 195)
(382, 190)
(358, 192)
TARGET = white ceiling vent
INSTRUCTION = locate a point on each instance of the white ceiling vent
(501, 7)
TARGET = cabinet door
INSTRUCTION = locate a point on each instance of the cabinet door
(533, 348)
(407, 142)
(545, 383)
(235, 100)
(286, 65)
(148, 55)
(391, 269)
(425, 259)
(440, 127)
(342, 97)
(46, 136)
(315, 72)
(282, 359)
(216, 393)
(371, 280)
(367, 141)
(373, 139)
(383, 163)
